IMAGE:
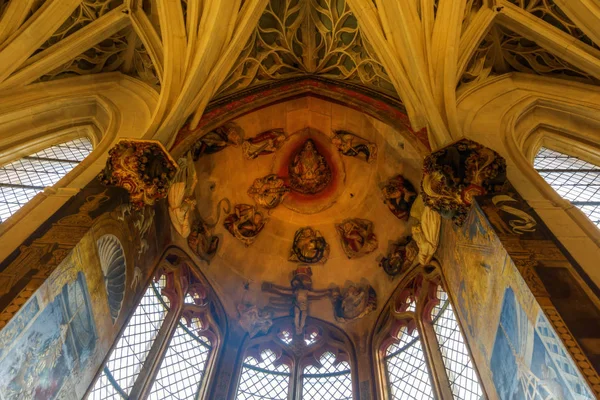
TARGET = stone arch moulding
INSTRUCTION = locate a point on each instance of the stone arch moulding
(516, 114)
(376, 105)
(102, 107)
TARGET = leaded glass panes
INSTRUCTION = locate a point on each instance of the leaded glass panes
(130, 352)
(459, 367)
(407, 373)
(574, 179)
(263, 380)
(182, 369)
(332, 381)
(22, 179)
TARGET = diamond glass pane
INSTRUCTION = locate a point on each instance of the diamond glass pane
(22, 179)
(130, 352)
(263, 379)
(457, 360)
(182, 369)
(574, 179)
(331, 381)
(407, 373)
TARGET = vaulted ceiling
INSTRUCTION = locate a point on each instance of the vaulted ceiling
(191, 51)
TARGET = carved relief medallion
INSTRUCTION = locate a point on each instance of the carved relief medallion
(354, 146)
(263, 144)
(354, 302)
(245, 223)
(357, 237)
(399, 195)
(401, 257)
(309, 247)
(268, 192)
(309, 172)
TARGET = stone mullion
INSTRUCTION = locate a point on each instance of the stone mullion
(145, 380)
(431, 348)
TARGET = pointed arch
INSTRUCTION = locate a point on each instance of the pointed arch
(282, 365)
(418, 344)
(170, 344)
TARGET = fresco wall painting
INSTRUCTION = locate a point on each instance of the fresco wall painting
(57, 336)
(514, 343)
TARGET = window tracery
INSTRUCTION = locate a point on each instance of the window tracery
(282, 365)
(421, 347)
(174, 322)
(22, 179)
(573, 179)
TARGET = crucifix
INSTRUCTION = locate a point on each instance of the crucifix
(298, 296)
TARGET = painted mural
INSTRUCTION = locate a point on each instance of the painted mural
(516, 349)
(55, 342)
(531, 362)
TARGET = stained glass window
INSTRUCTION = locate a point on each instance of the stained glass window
(289, 370)
(407, 373)
(183, 366)
(22, 179)
(423, 337)
(129, 354)
(573, 179)
(332, 381)
(459, 367)
(263, 380)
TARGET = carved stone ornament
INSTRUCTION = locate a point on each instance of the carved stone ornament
(142, 167)
(309, 172)
(354, 146)
(297, 297)
(268, 192)
(454, 175)
(309, 247)
(400, 258)
(399, 195)
(357, 237)
(202, 242)
(182, 202)
(245, 223)
(216, 140)
(254, 320)
(264, 143)
(354, 302)
(427, 234)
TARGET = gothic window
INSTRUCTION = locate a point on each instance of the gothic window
(174, 323)
(421, 347)
(22, 179)
(283, 366)
(572, 178)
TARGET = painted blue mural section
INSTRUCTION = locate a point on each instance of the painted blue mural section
(56, 342)
(530, 362)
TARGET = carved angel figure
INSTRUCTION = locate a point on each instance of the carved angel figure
(399, 195)
(217, 140)
(181, 196)
(354, 302)
(254, 320)
(245, 223)
(357, 237)
(354, 146)
(309, 247)
(268, 192)
(264, 143)
(401, 257)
